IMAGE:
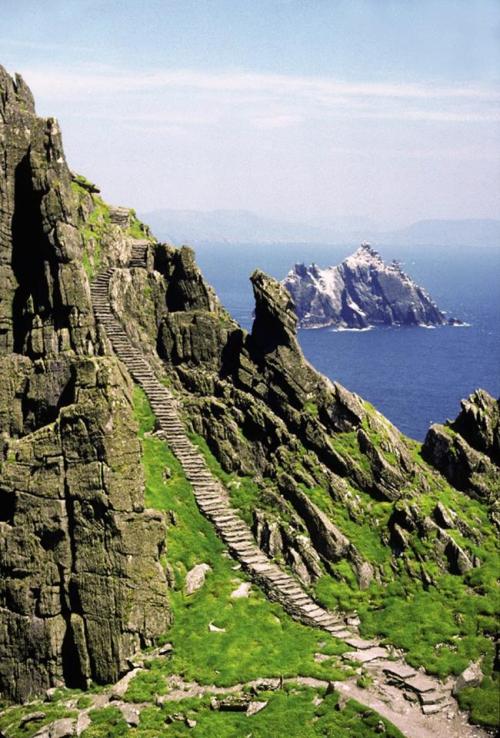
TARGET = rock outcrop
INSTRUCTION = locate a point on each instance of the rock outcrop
(360, 292)
(81, 586)
(466, 450)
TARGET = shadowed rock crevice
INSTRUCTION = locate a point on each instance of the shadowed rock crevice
(31, 259)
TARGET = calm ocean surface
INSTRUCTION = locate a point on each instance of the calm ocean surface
(415, 376)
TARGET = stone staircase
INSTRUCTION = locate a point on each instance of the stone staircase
(213, 501)
(139, 254)
(211, 496)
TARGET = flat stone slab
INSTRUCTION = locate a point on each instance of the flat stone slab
(420, 684)
(400, 671)
(320, 657)
(364, 657)
(432, 709)
(432, 698)
(342, 634)
(255, 707)
(360, 644)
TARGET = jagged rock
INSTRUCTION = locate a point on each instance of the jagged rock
(195, 578)
(459, 561)
(327, 538)
(360, 292)
(43, 286)
(78, 520)
(364, 573)
(443, 517)
(472, 676)
(465, 468)
(479, 423)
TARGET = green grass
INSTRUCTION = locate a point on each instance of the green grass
(13, 715)
(107, 722)
(290, 713)
(483, 702)
(260, 638)
(94, 228)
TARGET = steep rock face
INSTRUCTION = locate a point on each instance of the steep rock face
(44, 297)
(81, 587)
(466, 450)
(195, 330)
(479, 423)
(360, 292)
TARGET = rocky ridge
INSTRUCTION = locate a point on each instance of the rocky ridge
(360, 292)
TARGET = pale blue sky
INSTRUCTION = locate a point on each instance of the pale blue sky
(292, 108)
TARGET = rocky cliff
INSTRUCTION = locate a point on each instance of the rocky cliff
(332, 490)
(81, 586)
(360, 292)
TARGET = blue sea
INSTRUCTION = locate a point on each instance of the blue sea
(415, 376)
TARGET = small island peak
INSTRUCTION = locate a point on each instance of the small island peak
(361, 292)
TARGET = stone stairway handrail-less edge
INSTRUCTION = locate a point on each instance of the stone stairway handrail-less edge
(214, 503)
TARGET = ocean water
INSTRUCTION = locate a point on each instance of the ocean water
(415, 376)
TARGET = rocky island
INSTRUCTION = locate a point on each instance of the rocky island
(360, 292)
(199, 533)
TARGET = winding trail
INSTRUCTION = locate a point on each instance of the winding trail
(424, 697)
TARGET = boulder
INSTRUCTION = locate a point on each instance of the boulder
(195, 578)
(472, 676)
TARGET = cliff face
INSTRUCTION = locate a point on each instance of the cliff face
(81, 587)
(360, 292)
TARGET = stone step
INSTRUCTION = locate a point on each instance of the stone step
(394, 670)
(339, 625)
(360, 644)
(432, 698)
(420, 684)
(433, 709)
(312, 610)
(209, 492)
(342, 634)
(364, 657)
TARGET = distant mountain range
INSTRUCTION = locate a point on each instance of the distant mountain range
(243, 226)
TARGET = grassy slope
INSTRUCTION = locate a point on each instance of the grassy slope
(443, 627)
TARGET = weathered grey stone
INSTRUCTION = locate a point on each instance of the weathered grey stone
(255, 706)
(472, 676)
(195, 578)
